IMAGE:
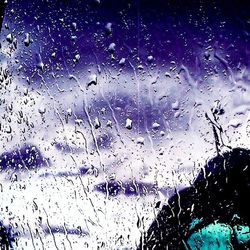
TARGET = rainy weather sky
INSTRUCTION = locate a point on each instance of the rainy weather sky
(104, 113)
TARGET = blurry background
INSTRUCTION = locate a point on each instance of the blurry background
(103, 112)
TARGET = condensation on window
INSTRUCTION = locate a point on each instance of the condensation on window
(124, 124)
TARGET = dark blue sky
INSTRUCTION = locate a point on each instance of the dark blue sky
(187, 33)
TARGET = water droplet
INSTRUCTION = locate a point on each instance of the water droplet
(109, 123)
(74, 25)
(167, 74)
(69, 111)
(42, 110)
(108, 28)
(92, 80)
(111, 48)
(128, 124)
(175, 105)
(162, 133)
(9, 38)
(140, 67)
(15, 43)
(177, 114)
(161, 151)
(39, 63)
(122, 61)
(78, 121)
(155, 125)
(26, 91)
(140, 140)
(74, 38)
(77, 57)
(150, 59)
(207, 55)
(53, 54)
(235, 123)
(27, 40)
(97, 123)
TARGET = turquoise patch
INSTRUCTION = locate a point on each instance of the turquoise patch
(242, 234)
(214, 236)
(217, 236)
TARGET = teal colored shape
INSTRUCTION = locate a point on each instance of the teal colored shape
(215, 236)
(242, 234)
(194, 223)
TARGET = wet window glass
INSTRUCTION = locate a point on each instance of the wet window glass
(124, 124)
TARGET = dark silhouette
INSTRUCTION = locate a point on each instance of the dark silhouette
(220, 191)
(7, 238)
(2, 8)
